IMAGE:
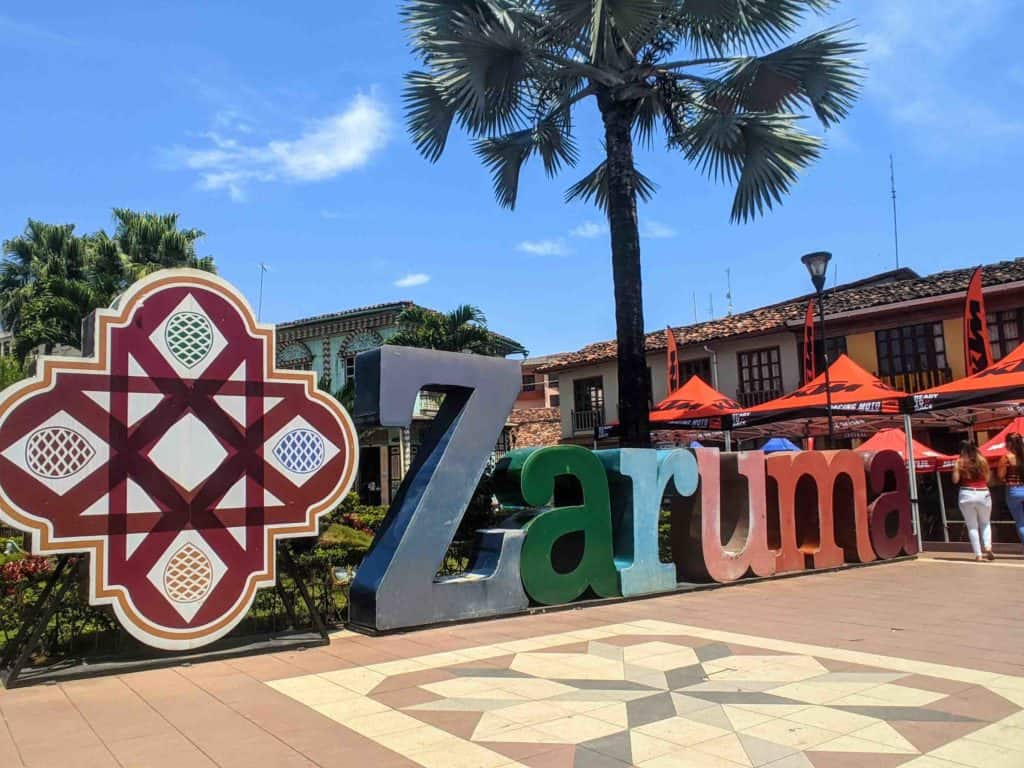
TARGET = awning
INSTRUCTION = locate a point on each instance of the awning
(925, 459)
(779, 445)
(695, 405)
(996, 447)
(858, 400)
(1000, 383)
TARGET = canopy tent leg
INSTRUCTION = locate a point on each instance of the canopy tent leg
(912, 475)
(942, 507)
(728, 441)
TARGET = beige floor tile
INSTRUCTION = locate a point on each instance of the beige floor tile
(533, 690)
(346, 711)
(746, 718)
(399, 667)
(360, 679)
(576, 729)
(646, 747)
(688, 758)
(540, 711)
(726, 747)
(1004, 734)
(615, 714)
(927, 761)
(978, 754)
(795, 735)
(883, 733)
(854, 744)
(821, 693)
(681, 731)
(470, 688)
(461, 755)
(667, 661)
(382, 723)
(641, 651)
(832, 719)
(425, 737)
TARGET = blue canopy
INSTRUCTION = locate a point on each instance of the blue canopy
(696, 444)
(777, 444)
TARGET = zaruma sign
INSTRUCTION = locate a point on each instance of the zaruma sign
(176, 455)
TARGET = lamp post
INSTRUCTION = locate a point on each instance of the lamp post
(817, 266)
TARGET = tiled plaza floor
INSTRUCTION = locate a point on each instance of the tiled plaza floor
(915, 664)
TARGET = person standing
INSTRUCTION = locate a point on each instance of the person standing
(971, 472)
(1011, 472)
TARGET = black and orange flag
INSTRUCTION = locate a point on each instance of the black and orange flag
(809, 367)
(977, 350)
(673, 362)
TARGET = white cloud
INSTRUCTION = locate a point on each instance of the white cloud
(589, 230)
(543, 247)
(330, 146)
(413, 279)
(656, 230)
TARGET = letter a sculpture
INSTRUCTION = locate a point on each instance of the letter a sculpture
(175, 455)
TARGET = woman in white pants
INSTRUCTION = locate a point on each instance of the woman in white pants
(971, 473)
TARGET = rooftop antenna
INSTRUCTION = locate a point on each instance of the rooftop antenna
(728, 293)
(259, 305)
(695, 307)
(895, 230)
(711, 306)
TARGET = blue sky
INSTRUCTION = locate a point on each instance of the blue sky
(279, 131)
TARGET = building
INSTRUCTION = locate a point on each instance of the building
(329, 344)
(905, 328)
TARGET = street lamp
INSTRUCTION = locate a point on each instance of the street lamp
(817, 266)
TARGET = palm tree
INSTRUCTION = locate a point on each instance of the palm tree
(51, 278)
(464, 329)
(511, 72)
(152, 241)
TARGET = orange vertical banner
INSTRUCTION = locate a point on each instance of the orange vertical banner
(977, 349)
(809, 366)
(673, 362)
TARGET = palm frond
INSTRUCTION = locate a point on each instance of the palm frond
(819, 70)
(761, 153)
(594, 187)
(429, 113)
(716, 26)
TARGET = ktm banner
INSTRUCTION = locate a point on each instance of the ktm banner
(673, 362)
(809, 372)
(977, 351)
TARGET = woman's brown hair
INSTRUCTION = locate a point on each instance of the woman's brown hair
(974, 465)
(1015, 445)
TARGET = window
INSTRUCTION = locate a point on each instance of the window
(834, 346)
(588, 394)
(350, 368)
(701, 367)
(553, 395)
(760, 370)
(911, 348)
(1004, 331)
(529, 382)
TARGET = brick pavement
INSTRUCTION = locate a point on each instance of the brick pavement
(914, 663)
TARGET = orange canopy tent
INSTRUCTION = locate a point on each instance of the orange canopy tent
(996, 447)
(856, 394)
(1000, 383)
(694, 406)
(925, 459)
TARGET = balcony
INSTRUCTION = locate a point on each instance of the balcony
(756, 397)
(429, 404)
(587, 421)
(915, 381)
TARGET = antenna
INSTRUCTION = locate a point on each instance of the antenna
(895, 230)
(728, 293)
(711, 306)
(695, 307)
(259, 306)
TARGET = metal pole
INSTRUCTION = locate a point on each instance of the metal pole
(942, 507)
(728, 440)
(912, 475)
(828, 376)
(259, 306)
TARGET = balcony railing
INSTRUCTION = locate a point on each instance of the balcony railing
(915, 381)
(750, 399)
(429, 404)
(587, 421)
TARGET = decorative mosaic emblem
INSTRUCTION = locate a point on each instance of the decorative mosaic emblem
(176, 457)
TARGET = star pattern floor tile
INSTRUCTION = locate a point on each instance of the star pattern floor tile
(656, 694)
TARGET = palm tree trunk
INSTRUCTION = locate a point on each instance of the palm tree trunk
(634, 386)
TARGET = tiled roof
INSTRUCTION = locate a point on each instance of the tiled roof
(397, 306)
(880, 290)
(512, 346)
(535, 427)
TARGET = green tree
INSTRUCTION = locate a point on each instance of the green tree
(11, 371)
(464, 329)
(697, 72)
(51, 278)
